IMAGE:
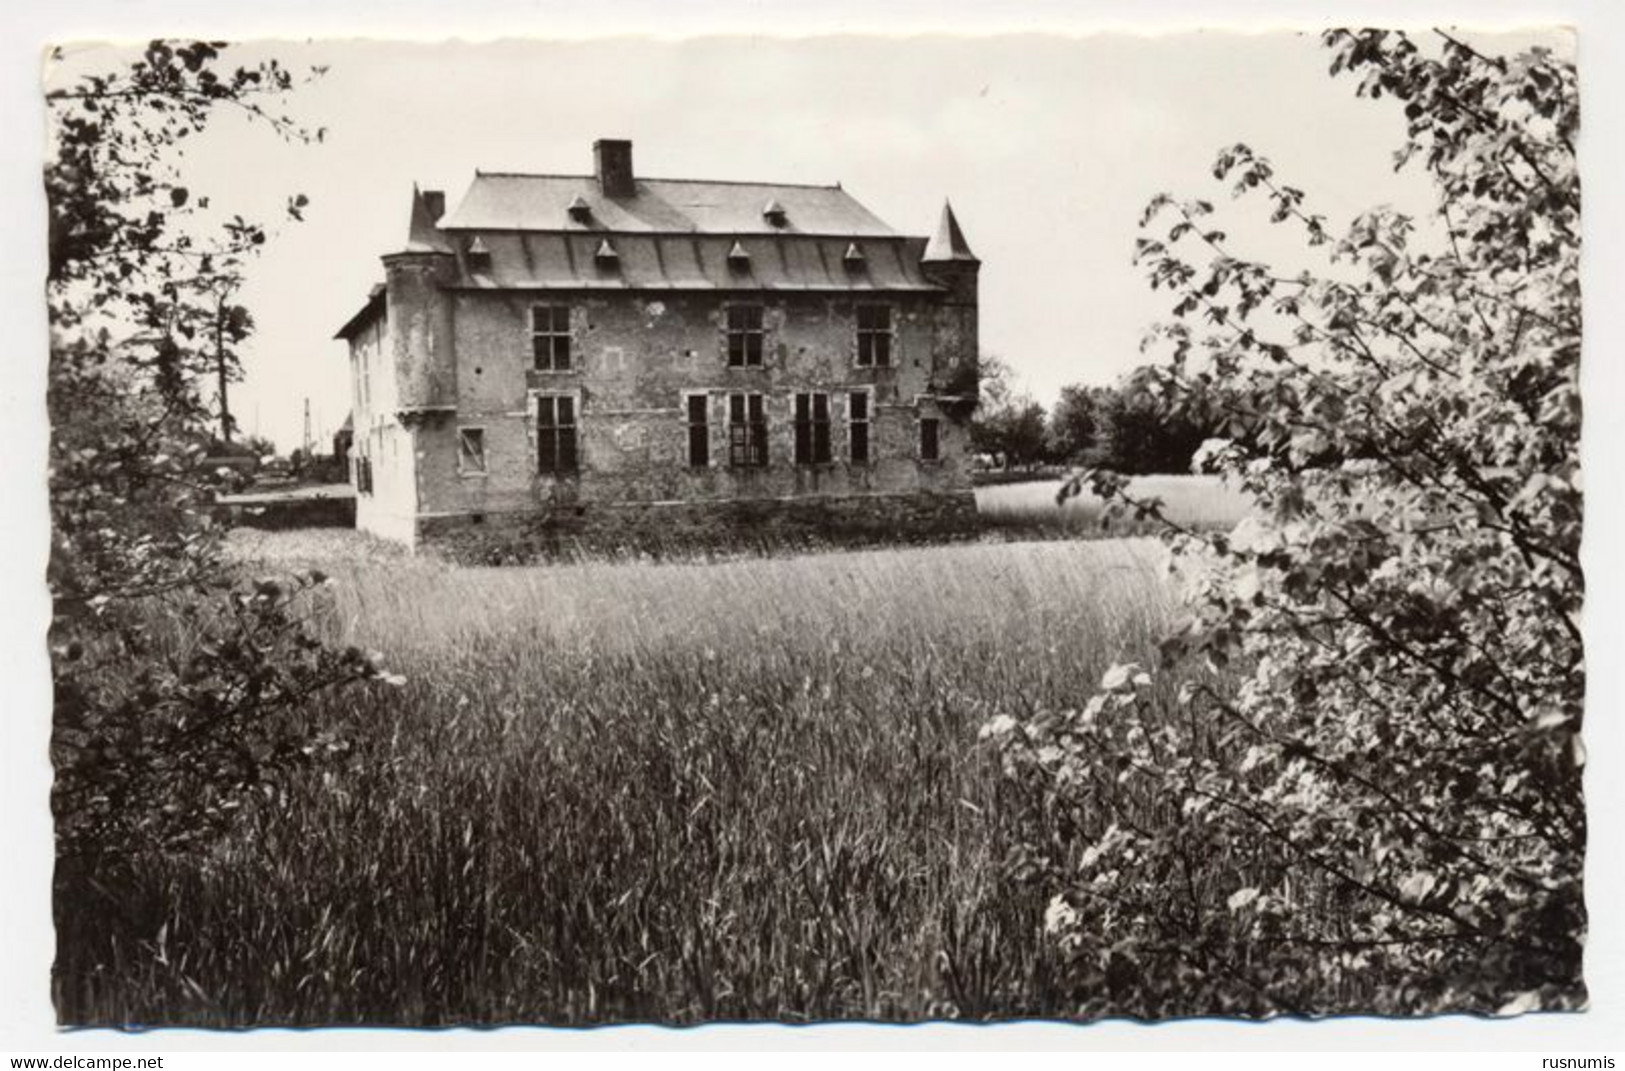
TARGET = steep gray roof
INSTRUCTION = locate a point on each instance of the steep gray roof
(421, 234)
(374, 307)
(514, 202)
(525, 260)
(520, 232)
(948, 243)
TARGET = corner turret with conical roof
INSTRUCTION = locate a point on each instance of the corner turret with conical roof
(949, 263)
(948, 243)
(420, 314)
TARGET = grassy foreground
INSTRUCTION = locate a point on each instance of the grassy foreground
(632, 791)
(1029, 510)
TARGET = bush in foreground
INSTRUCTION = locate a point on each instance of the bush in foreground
(1372, 803)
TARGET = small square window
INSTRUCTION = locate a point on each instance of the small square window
(471, 451)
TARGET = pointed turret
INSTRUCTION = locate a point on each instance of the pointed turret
(415, 278)
(948, 262)
(949, 241)
(422, 235)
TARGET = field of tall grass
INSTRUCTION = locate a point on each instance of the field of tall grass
(1029, 510)
(664, 792)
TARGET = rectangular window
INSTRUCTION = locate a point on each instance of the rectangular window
(556, 433)
(812, 429)
(874, 336)
(471, 451)
(857, 426)
(747, 431)
(930, 446)
(745, 336)
(550, 337)
(699, 431)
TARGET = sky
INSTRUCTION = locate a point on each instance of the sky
(1048, 147)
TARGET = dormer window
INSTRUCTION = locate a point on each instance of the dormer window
(579, 209)
(853, 258)
(606, 255)
(774, 213)
(479, 255)
(738, 259)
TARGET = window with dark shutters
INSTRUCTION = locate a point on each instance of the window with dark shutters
(930, 447)
(812, 429)
(556, 434)
(747, 431)
(699, 431)
(857, 427)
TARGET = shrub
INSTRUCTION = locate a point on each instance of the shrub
(1368, 796)
(174, 677)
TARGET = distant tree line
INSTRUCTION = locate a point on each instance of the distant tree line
(1123, 427)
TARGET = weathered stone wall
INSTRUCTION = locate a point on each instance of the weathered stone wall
(421, 332)
(677, 528)
(956, 330)
(636, 356)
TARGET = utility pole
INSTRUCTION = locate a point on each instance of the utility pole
(308, 441)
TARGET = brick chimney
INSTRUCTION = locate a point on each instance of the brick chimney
(612, 159)
(435, 202)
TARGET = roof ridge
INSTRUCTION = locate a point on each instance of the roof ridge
(527, 174)
(656, 178)
(753, 182)
(585, 232)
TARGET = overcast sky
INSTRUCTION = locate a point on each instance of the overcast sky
(1048, 147)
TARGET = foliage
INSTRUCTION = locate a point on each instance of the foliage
(1074, 422)
(1372, 799)
(1008, 425)
(261, 446)
(1028, 509)
(1136, 434)
(141, 275)
(627, 790)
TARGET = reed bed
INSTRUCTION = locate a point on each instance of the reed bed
(748, 789)
(1029, 510)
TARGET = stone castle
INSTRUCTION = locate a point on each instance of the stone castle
(607, 357)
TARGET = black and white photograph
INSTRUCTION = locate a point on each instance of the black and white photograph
(843, 528)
